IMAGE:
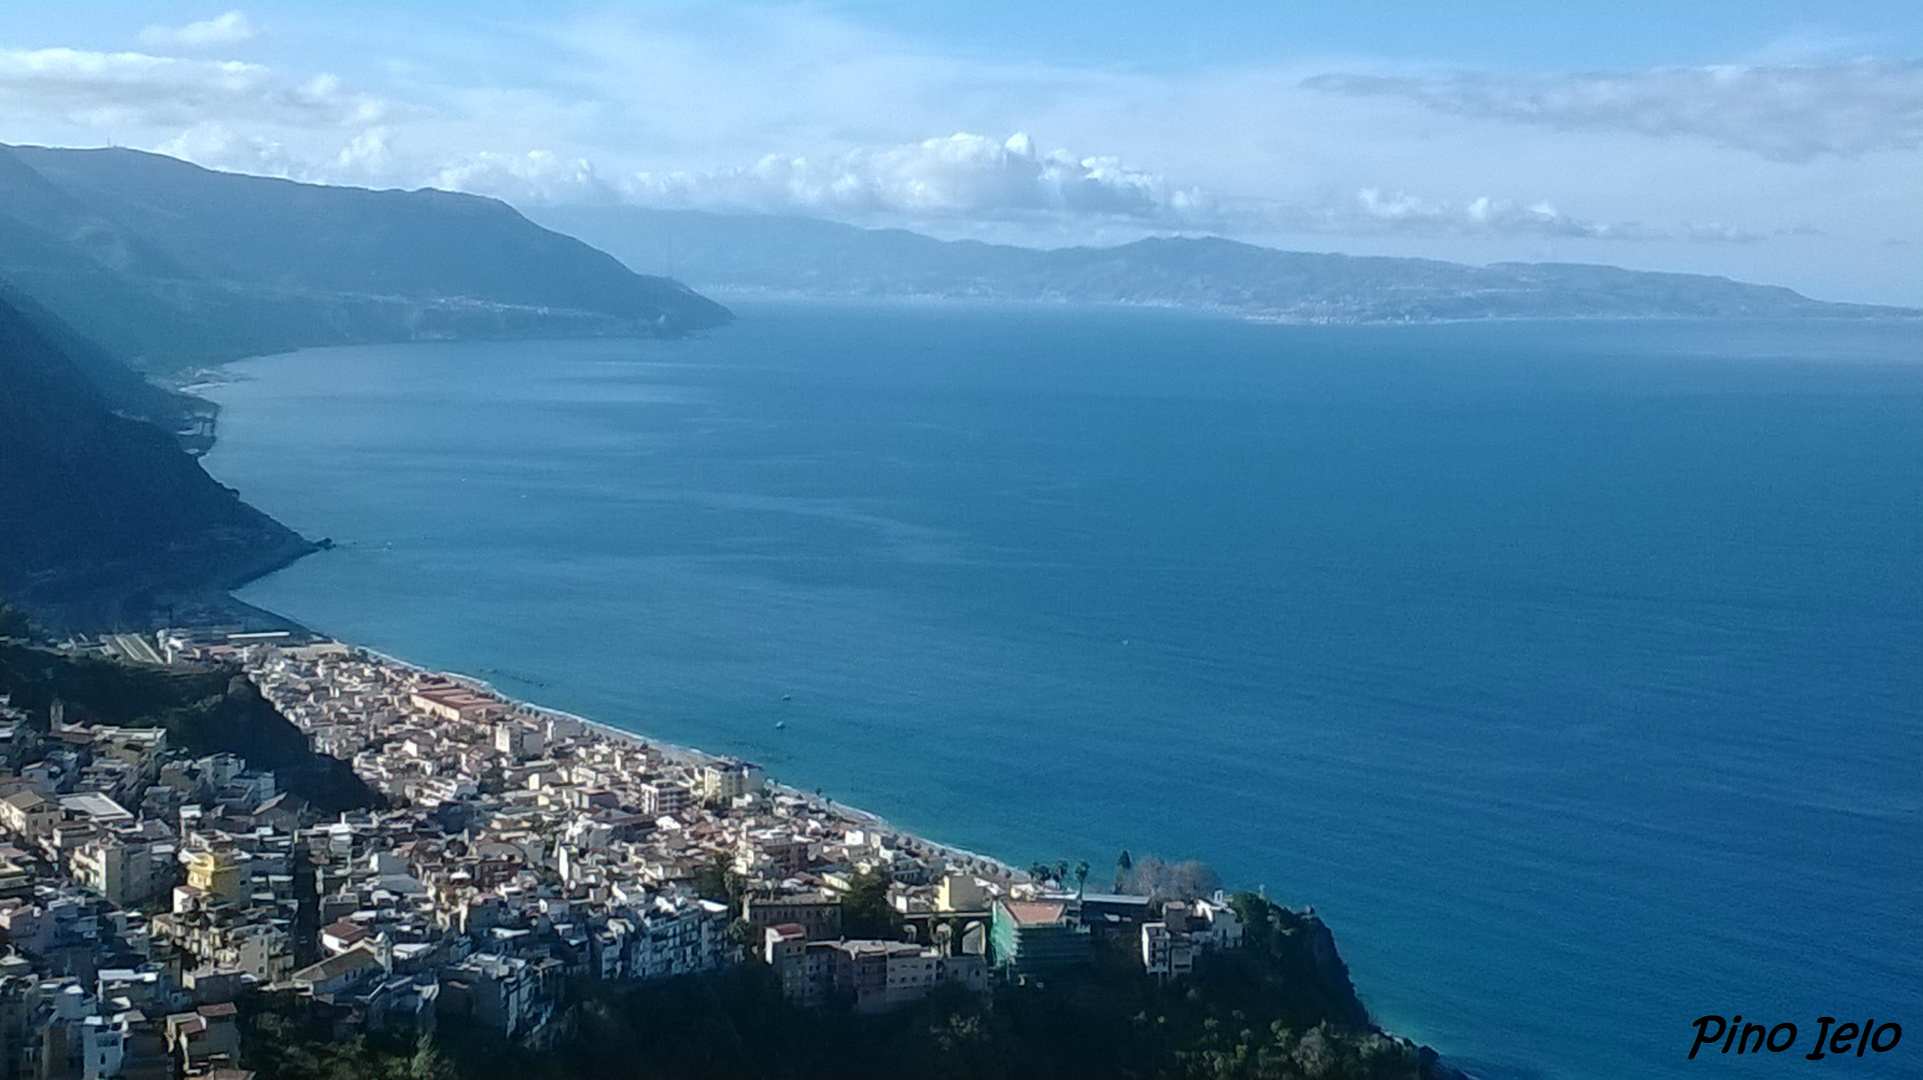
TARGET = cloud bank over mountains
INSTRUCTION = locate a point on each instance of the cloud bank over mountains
(968, 176)
(961, 174)
(802, 110)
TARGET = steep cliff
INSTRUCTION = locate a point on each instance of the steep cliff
(104, 520)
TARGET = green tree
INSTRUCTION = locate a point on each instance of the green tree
(865, 910)
(428, 1063)
(719, 882)
(14, 623)
(1164, 880)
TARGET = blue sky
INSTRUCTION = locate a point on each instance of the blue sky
(1767, 141)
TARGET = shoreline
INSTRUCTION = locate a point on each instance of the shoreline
(222, 373)
(1270, 316)
(620, 735)
(761, 821)
(691, 755)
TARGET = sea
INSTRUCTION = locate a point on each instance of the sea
(1572, 671)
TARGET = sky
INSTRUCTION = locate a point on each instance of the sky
(1771, 142)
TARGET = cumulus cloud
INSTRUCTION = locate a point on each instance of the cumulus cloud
(1486, 215)
(1372, 211)
(129, 89)
(368, 153)
(217, 146)
(1304, 157)
(537, 176)
(229, 29)
(1787, 113)
(1482, 214)
(963, 175)
(966, 177)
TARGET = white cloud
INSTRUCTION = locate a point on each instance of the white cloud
(217, 146)
(1481, 214)
(967, 177)
(247, 117)
(1788, 113)
(229, 29)
(1371, 209)
(683, 105)
(368, 155)
(136, 90)
(962, 175)
(537, 176)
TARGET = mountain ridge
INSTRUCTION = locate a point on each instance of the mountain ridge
(117, 264)
(806, 256)
(173, 266)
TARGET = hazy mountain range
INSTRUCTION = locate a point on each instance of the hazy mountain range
(167, 264)
(802, 256)
(113, 262)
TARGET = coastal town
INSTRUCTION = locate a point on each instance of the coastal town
(510, 852)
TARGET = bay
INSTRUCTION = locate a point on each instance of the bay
(1572, 671)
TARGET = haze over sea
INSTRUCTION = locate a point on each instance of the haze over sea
(1572, 671)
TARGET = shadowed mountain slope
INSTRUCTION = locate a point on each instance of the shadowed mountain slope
(104, 519)
(172, 265)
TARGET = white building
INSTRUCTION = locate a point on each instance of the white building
(103, 1046)
(519, 741)
(1169, 947)
(679, 936)
(1167, 954)
(729, 780)
(662, 797)
(124, 872)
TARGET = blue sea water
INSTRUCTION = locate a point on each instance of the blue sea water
(1572, 671)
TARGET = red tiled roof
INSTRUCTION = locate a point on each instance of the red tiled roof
(1034, 912)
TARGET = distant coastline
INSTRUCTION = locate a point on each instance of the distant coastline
(771, 255)
(1262, 317)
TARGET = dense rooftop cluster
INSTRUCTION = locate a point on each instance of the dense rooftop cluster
(147, 889)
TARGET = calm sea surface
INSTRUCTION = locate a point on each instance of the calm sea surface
(1573, 672)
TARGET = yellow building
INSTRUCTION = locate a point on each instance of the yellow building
(215, 872)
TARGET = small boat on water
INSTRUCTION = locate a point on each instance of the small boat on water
(780, 724)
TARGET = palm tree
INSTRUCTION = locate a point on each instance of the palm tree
(1081, 877)
(1123, 864)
